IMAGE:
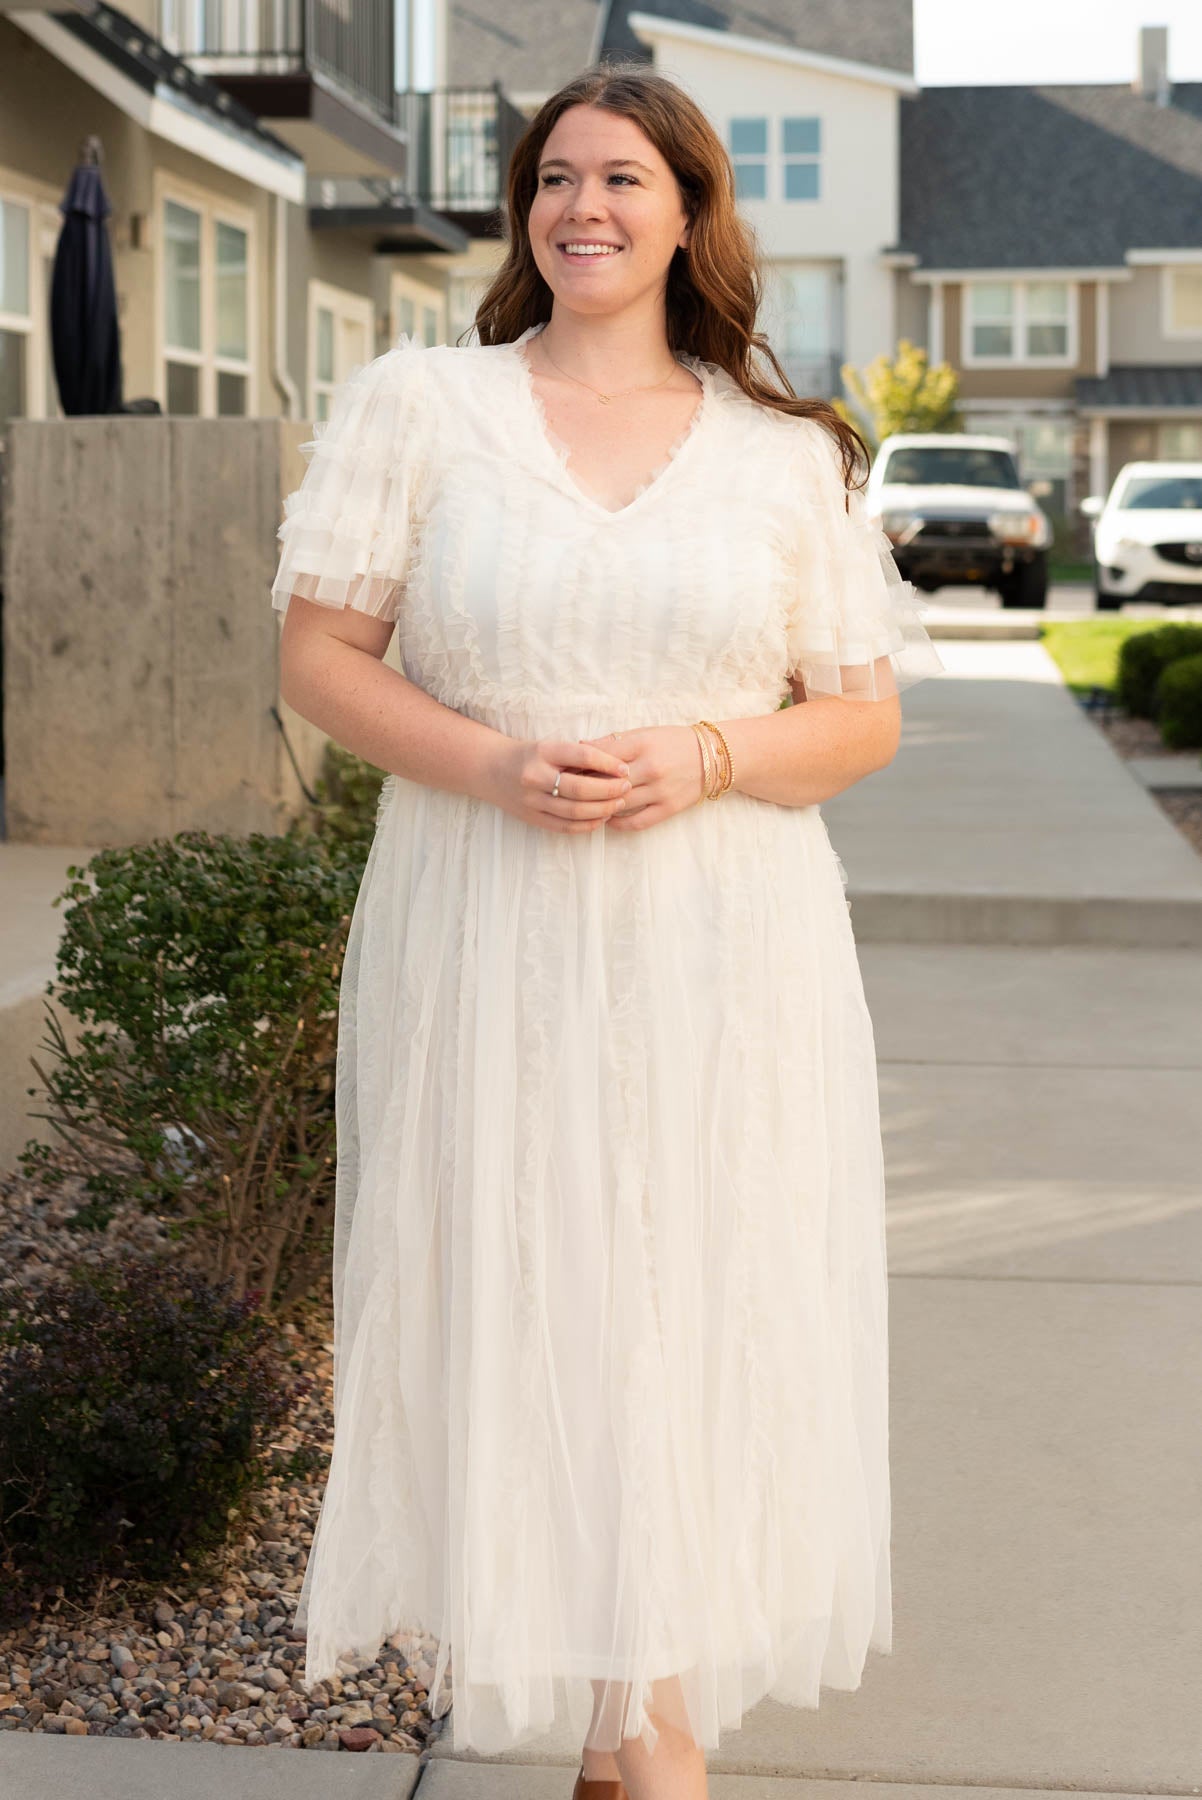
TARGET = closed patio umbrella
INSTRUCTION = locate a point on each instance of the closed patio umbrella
(83, 296)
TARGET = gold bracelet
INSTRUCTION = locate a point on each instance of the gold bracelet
(707, 761)
(727, 769)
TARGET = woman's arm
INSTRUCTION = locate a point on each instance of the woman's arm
(332, 673)
(805, 753)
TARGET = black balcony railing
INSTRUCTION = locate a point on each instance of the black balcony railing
(354, 44)
(459, 143)
(460, 140)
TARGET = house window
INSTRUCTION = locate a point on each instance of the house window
(799, 158)
(1018, 322)
(1184, 308)
(1180, 442)
(749, 153)
(206, 311)
(340, 325)
(1047, 318)
(16, 309)
(429, 325)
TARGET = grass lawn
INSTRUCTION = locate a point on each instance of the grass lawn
(1086, 650)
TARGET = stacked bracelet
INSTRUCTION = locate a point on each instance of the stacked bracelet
(717, 773)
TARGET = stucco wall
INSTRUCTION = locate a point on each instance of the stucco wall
(140, 644)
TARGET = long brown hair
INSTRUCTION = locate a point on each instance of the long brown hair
(714, 287)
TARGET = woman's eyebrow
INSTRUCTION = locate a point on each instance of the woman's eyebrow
(613, 162)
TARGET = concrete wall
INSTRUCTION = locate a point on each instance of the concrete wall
(140, 644)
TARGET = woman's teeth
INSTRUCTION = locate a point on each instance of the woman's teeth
(590, 249)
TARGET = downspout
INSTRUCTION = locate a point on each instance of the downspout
(287, 388)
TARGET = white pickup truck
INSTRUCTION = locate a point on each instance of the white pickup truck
(957, 515)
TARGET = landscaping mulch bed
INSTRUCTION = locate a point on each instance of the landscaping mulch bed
(219, 1663)
(1140, 737)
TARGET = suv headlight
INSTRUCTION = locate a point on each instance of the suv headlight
(1017, 527)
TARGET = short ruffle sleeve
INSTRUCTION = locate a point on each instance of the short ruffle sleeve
(347, 530)
(849, 605)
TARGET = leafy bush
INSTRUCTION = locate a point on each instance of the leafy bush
(1142, 657)
(347, 801)
(1179, 703)
(135, 1403)
(204, 973)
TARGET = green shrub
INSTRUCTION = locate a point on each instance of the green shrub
(204, 973)
(1179, 703)
(347, 801)
(1142, 657)
(135, 1404)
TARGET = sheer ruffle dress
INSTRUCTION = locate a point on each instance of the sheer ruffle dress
(610, 1367)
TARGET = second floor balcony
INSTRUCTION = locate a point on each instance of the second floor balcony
(320, 73)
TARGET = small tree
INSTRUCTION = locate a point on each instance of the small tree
(205, 972)
(902, 393)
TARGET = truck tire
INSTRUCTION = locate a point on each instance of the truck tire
(1026, 586)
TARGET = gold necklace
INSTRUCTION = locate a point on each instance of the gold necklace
(606, 398)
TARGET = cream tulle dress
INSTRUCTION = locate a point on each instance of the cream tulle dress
(610, 1364)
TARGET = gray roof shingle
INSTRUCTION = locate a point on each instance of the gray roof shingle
(1156, 385)
(534, 46)
(1030, 177)
(877, 32)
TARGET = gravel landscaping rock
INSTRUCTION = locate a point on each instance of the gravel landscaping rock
(220, 1662)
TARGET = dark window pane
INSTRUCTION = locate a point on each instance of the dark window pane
(12, 375)
(800, 137)
(751, 181)
(231, 394)
(801, 181)
(183, 389)
(749, 137)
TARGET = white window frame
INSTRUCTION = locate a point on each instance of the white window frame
(212, 212)
(44, 223)
(1168, 278)
(404, 291)
(1021, 358)
(355, 309)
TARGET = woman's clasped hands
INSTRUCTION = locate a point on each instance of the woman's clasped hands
(626, 779)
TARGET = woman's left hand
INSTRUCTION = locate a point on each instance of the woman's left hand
(665, 773)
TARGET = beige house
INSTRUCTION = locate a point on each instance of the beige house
(282, 210)
(1050, 249)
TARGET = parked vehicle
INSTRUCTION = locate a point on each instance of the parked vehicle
(1147, 537)
(957, 514)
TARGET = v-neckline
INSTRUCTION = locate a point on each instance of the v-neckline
(558, 453)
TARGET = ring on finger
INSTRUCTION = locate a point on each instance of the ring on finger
(555, 789)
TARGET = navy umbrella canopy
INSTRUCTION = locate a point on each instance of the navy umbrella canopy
(83, 296)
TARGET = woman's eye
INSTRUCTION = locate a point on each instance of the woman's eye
(616, 176)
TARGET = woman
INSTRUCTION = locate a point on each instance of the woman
(610, 1336)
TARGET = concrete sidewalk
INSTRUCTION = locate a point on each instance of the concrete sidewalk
(1006, 817)
(1040, 1112)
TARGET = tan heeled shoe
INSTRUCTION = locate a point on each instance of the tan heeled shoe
(597, 1790)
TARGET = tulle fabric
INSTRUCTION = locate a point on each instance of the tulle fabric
(347, 531)
(611, 1348)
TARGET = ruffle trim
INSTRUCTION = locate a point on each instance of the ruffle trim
(849, 608)
(348, 530)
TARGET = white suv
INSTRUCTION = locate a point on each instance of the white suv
(957, 515)
(1147, 539)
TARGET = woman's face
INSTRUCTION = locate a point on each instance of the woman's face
(602, 182)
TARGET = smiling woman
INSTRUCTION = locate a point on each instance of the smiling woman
(610, 1297)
